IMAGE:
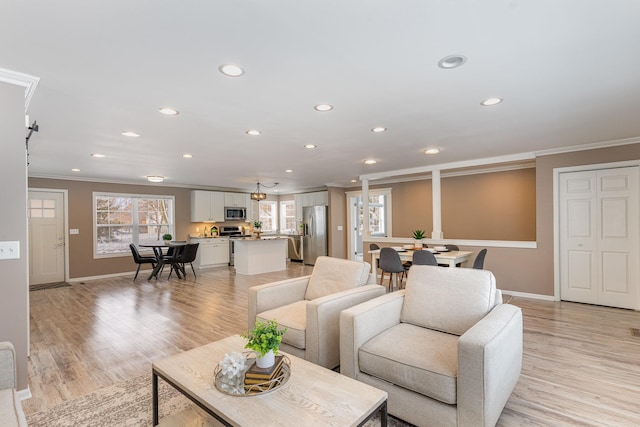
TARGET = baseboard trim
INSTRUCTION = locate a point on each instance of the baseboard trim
(105, 276)
(24, 394)
(528, 295)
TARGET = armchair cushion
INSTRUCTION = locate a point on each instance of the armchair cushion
(333, 275)
(415, 358)
(292, 316)
(433, 306)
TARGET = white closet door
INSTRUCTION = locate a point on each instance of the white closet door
(599, 237)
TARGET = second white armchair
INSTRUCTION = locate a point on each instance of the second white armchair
(310, 306)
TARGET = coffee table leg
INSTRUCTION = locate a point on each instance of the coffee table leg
(383, 415)
(155, 398)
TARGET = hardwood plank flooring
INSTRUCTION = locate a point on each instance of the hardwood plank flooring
(581, 363)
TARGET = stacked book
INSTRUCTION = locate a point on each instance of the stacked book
(260, 379)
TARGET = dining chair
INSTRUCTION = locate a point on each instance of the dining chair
(170, 258)
(373, 247)
(390, 262)
(139, 259)
(424, 258)
(478, 263)
(186, 256)
(452, 247)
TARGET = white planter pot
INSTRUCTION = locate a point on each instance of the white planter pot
(417, 243)
(267, 360)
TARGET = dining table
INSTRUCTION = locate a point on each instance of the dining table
(157, 250)
(449, 258)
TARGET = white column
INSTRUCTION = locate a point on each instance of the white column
(436, 233)
(365, 210)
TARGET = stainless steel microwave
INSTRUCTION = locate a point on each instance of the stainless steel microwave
(235, 214)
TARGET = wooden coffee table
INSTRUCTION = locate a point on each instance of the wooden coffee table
(312, 396)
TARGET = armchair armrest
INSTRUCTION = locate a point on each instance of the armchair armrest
(489, 364)
(276, 294)
(7, 366)
(364, 321)
(323, 322)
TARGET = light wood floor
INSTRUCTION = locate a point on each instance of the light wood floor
(581, 363)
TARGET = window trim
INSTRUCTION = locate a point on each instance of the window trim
(96, 194)
(276, 217)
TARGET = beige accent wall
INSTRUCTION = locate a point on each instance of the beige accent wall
(14, 285)
(81, 261)
(337, 217)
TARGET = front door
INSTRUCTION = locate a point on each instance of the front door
(599, 237)
(46, 237)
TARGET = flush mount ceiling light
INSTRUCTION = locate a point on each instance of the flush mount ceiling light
(370, 162)
(354, 180)
(187, 155)
(323, 107)
(231, 70)
(452, 61)
(97, 155)
(155, 178)
(130, 133)
(75, 170)
(259, 194)
(289, 171)
(432, 151)
(310, 146)
(378, 129)
(253, 132)
(169, 111)
(491, 101)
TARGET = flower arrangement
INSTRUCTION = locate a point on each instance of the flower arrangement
(264, 337)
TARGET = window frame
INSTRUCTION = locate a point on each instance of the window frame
(134, 214)
(275, 215)
(282, 214)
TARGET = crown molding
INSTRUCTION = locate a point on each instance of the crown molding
(30, 83)
(585, 147)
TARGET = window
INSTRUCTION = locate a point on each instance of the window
(121, 219)
(288, 216)
(269, 216)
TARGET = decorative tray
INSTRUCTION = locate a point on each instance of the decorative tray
(236, 386)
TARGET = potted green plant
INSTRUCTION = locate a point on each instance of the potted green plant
(265, 340)
(167, 238)
(257, 227)
(418, 235)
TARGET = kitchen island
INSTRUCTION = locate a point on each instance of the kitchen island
(256, 256)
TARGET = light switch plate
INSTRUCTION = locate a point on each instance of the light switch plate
(74, 231)
(9, 250)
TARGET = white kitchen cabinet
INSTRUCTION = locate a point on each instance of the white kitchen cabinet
(236, 200)
(318, 198)
(207, 206)
(212, 252)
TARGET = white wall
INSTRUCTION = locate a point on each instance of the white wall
(14, 286)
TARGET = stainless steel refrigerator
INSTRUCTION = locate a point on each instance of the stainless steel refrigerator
(314, 234)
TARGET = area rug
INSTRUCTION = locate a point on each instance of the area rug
(48, 286)
(127, 404)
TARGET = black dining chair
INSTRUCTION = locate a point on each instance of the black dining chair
(139, 259)
(478, 263)
(186, 256)
(424, 258)
(390, 262)
(373, 247)
(452, 247)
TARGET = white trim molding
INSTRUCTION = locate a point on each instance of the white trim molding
(30, 83)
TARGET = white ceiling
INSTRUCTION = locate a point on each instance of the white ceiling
(568, 70)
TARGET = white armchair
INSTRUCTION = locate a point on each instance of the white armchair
(11, 413)
(445, 349)
(310, 306)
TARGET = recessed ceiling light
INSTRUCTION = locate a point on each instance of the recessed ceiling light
(289, 171)
(378, 129)
(231, 70)
(323, 107)
(187, 155)
(491, 101)
(98, 155)
(354, 180)
(452, 61)
(155, 178)
(310, 146)
(253, 132)
(130, 133)
(370, 162)
(75, 170)
(169, 111)
(432, 151)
